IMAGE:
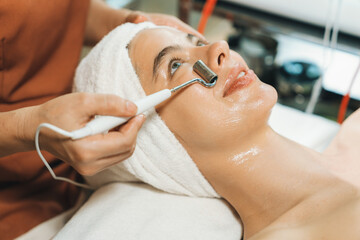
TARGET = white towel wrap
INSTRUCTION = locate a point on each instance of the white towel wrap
(159, 159)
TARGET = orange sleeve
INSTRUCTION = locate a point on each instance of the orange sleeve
(40, 45)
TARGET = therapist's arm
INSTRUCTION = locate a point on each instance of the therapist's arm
(10, 133)
(70, 112)
(102, 19)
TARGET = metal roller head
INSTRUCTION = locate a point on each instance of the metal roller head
(208, 77)
(204, 72)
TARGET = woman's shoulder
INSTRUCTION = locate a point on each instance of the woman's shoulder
(339, 223)
(352, 124)
(348, 137)
(342, 155)
(281, 234)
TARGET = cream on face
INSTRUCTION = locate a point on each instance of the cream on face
(203, 119)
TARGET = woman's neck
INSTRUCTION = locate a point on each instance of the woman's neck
(266, 177)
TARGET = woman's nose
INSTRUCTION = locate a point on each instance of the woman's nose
(217, 54)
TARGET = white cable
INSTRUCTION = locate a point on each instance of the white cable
(315, 93)
(62, 132)
(334, 36)
(335, 25)
(354, 77)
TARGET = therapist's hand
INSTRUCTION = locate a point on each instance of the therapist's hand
(94, 153)
(163, 20)
(102, 19)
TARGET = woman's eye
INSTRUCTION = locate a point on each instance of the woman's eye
(200, 43)
(174, 66)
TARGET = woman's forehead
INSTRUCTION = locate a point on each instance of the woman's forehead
(156, 37)
(161, 30)
(149, 42)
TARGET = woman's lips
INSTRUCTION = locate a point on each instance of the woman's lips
(236, 82)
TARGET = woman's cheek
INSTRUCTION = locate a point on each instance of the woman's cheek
(202, 122)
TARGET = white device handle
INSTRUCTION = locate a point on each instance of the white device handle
(105, 123)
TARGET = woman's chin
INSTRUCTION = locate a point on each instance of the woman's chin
(273, 95)
(266, 99)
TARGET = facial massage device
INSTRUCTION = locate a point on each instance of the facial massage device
(102, 124)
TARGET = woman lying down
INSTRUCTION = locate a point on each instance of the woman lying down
(215, 142)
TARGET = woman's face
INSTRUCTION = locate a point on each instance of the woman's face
(203, 119)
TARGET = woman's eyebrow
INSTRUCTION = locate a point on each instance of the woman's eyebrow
(195, 39)
(191, 37)
(158, 59)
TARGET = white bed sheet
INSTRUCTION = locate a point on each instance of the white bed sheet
(137, 211)
(307, 129)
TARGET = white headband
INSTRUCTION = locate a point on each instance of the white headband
(159, 159)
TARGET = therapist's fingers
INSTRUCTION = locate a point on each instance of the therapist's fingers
(171, 21)
(107, 104)
(164, 20)
(137, 17)
(73, 111)
(117, 145)
(121, 141)
(101, 164)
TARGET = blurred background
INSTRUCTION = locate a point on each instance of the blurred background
(289, 44)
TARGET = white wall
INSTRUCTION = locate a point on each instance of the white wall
(311, 11)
